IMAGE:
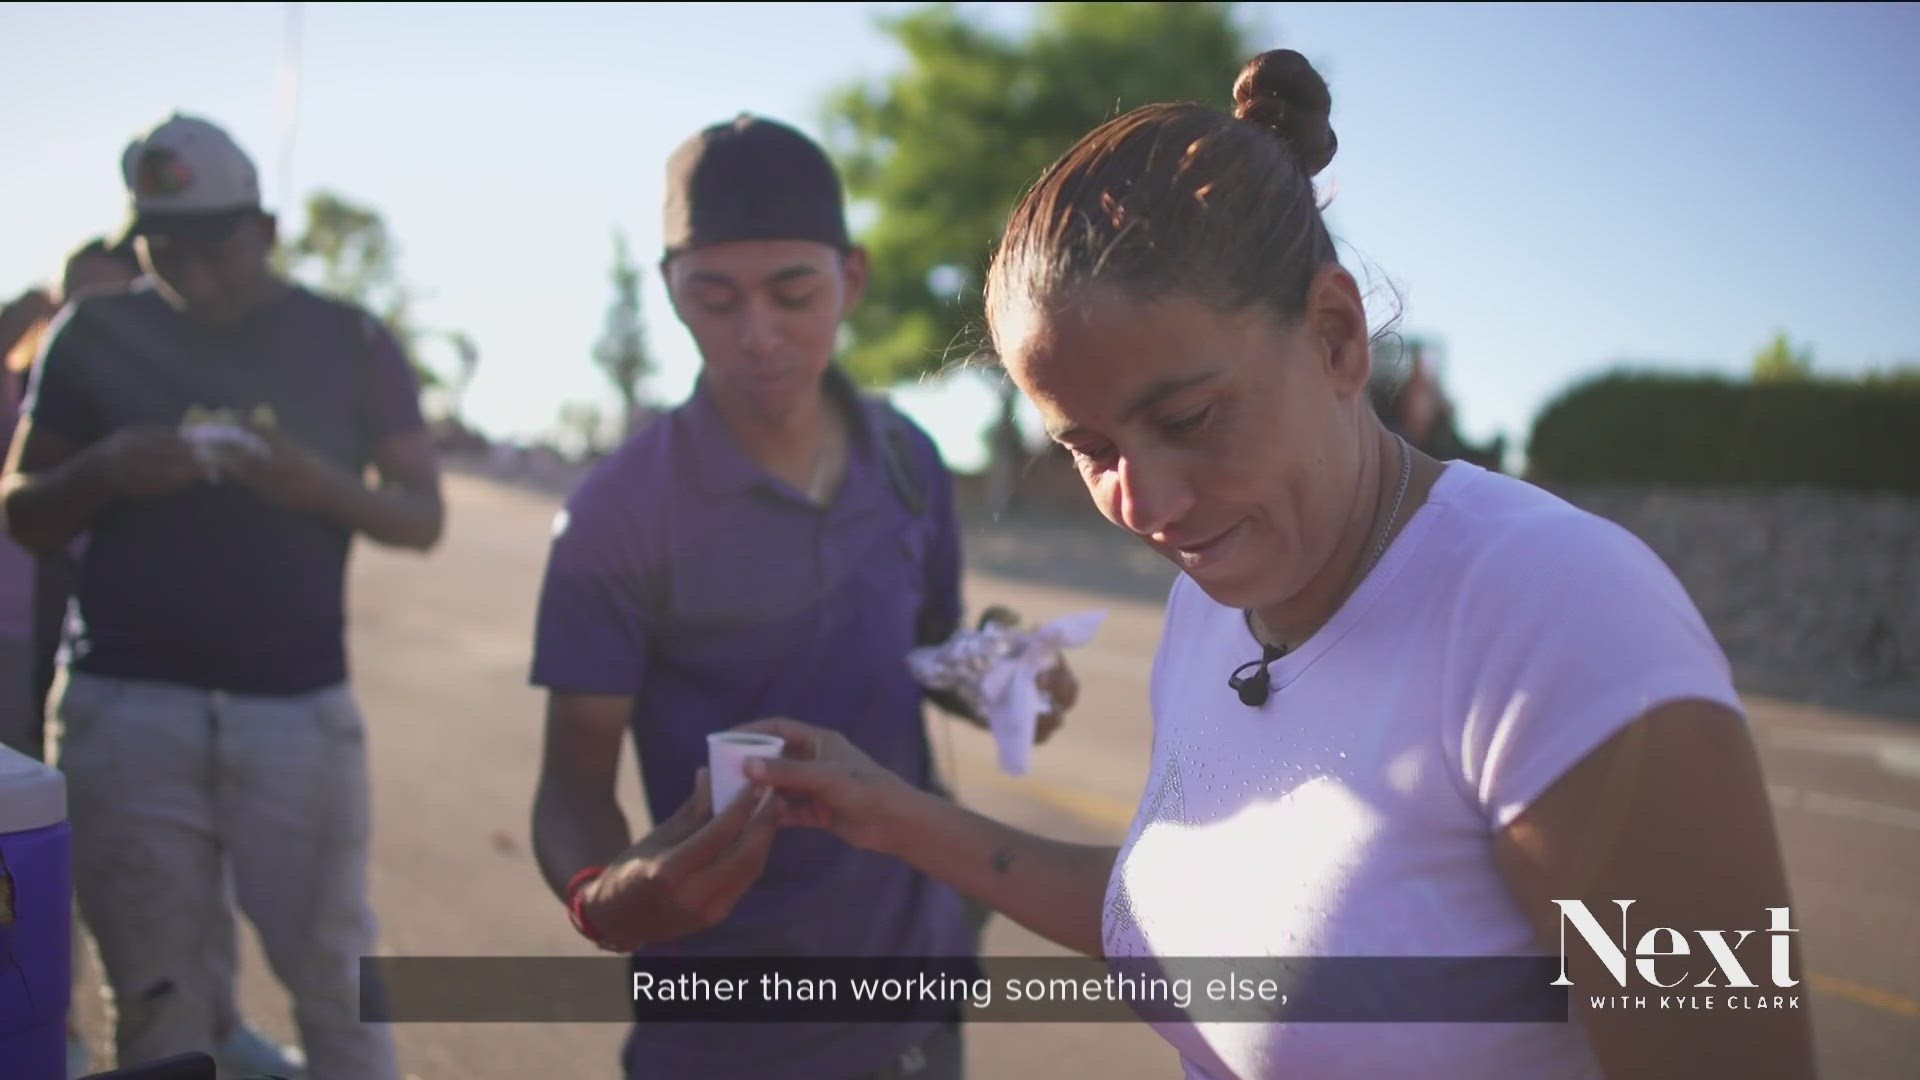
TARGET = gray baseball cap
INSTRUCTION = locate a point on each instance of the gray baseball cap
(187, 177)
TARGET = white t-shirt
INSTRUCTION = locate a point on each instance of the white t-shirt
(1503, 636)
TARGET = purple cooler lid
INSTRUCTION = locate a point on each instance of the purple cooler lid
(32, 795)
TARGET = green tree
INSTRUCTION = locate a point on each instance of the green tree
(1779, 360)
(467, 354)
(942, 150)
(581, 423)
(1907, 374)
(347, 250)
(622, 350)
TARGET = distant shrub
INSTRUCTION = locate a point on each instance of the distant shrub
(1700, 429)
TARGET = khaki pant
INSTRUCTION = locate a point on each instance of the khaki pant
(172, 789)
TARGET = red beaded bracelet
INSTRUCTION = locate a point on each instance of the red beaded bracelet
(577, 908)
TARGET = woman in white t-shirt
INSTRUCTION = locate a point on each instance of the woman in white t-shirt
(1476, 699)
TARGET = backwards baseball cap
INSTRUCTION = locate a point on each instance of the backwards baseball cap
(751, 179)
(187, 177)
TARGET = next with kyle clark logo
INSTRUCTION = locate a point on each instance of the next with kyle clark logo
(1722, 982)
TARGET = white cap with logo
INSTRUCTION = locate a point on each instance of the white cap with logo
(187, 176)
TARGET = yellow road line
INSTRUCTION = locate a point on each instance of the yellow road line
(1100, 810)
(1860, 994)
(1111, 813)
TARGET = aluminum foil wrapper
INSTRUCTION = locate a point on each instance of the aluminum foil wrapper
(995, 671)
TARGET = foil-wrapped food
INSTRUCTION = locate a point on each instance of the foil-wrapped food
(994, 670)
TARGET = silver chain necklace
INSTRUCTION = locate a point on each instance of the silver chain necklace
(1380, 544)
(1406, 473)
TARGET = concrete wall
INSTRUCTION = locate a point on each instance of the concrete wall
(1814, 594)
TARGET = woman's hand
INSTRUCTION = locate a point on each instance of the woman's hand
(1061, 688)
(830, 784)
(1053, 888)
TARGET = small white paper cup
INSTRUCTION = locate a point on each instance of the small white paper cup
(727, 755)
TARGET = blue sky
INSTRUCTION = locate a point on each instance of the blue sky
(1553, 189)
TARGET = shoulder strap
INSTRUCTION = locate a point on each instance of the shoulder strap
(897, 450)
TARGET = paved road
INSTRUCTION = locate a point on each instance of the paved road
(441, 644)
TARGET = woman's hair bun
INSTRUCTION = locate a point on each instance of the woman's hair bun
(1281, 92)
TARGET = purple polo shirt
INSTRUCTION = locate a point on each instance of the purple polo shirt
(685, 575)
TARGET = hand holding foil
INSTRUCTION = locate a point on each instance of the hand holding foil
(998, 672)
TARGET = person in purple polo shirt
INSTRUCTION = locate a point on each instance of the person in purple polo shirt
(774, 547)
(208, 732)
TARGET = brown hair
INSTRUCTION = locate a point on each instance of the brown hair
(1184, 199)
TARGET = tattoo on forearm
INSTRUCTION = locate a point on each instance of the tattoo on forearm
(1002, 861)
